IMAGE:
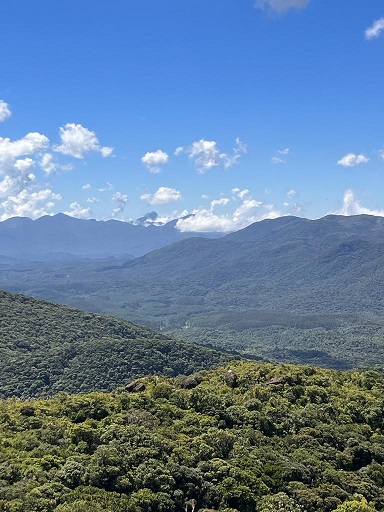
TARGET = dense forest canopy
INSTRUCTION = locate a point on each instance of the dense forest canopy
(270, 438)
(46, 348)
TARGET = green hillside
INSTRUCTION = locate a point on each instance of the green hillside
(289, 289)
(46, 348)
(261, 438)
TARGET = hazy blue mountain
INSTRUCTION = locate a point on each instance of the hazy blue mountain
(62, 237)
(330, 265)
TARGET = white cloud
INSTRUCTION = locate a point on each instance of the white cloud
(277, 160)
(204, 196)
(240, 193)
(281, 6)
(375, 29)
(28, 145)
(87, 186)
(219, 202)
(80, 212)
(29, 204)
(245, 213)
(108, 187)
(207, 155)
(106, 151)
(76, 140)
(5, 111)
(15, 170)
(121, 200)
(351, 206)
(92, 200)
(381, 154)
(154, 160)
(163, 195)
(351, 160)
(47, 164)
(291, 193)
(204, 220)
(179, 150)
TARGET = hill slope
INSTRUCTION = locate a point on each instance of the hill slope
(292, 289)
(46, 348)
(285, 438)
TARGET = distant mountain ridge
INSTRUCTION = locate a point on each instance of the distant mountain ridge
(63, 237)
(330, 265)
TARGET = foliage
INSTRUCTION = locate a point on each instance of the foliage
(287, 289)
(287, 438)
(46, 348)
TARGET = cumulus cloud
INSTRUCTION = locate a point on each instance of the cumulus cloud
(163, 195)
(351, 160)
(237, 216)
(5, 111)
(281, 6)
(87, 186)
(121, 200)
(206, 154)
(29, 204)
(219, 202)
(76, 140)
(375, 29)
(240, 193)
(381, 154)
(351, 206)
(15, 171)
(80, 212)
(154, 160)
(277, 160)
(47, 164)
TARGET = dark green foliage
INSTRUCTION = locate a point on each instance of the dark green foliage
(46, 348)
(287, 438)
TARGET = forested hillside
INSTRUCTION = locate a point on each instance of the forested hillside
(257, 437)
(290, 289)
(46, 348)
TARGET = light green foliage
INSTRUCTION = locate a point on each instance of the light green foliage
(286, 439)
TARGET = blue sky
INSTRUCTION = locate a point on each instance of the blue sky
(233, 110)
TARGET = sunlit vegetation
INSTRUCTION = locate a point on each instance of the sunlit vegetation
(277, 438)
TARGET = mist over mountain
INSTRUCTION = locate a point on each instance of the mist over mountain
(61, 237)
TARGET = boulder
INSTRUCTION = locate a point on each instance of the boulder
(231, 379)
(135, 387)
(190, 382)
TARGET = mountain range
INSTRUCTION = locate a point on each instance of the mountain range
(60, 237)
(290, 289)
